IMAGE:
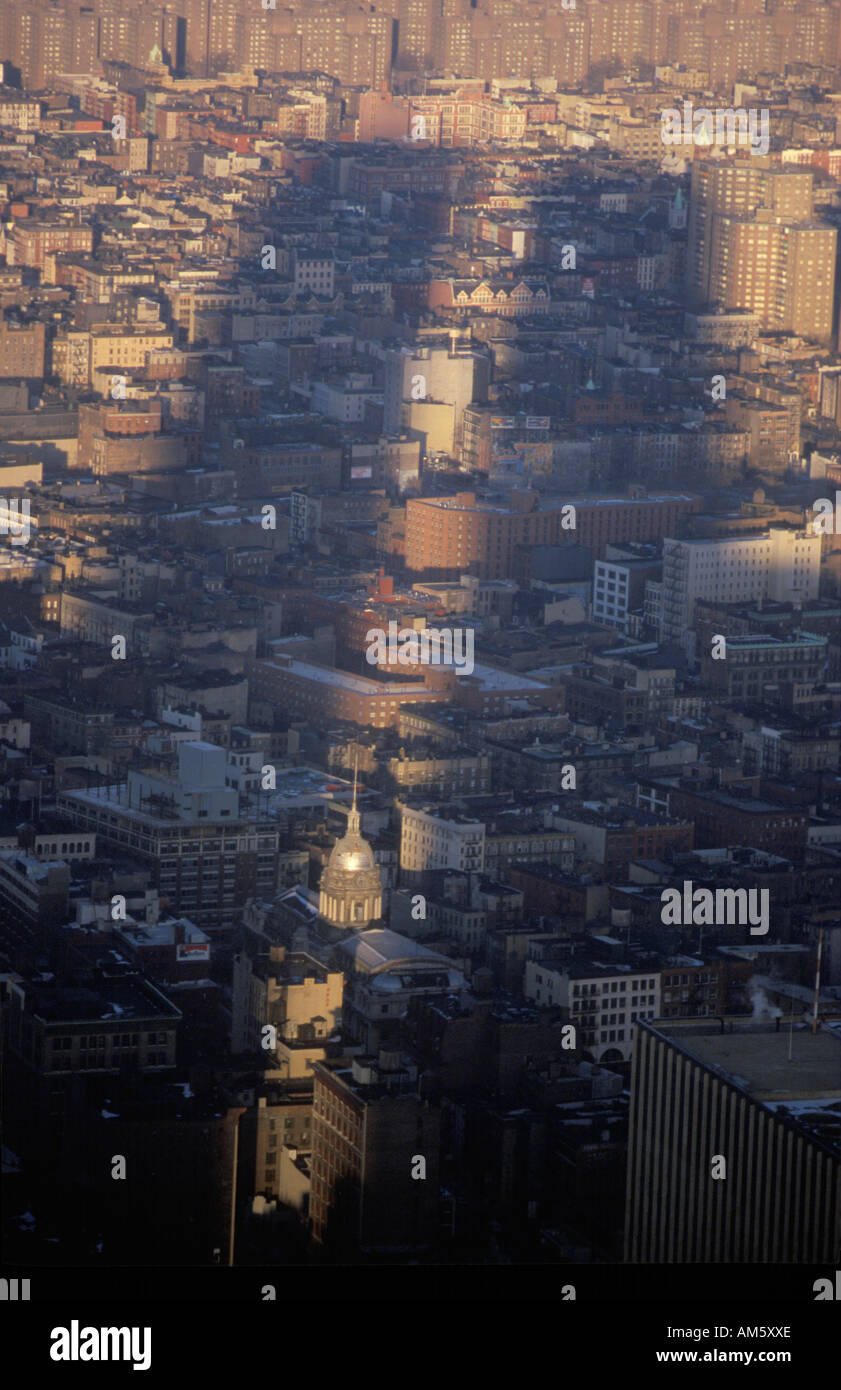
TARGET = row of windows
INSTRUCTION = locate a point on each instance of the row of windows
(612, 986)
(66, 847)
(702, 1011)
(99, 1040)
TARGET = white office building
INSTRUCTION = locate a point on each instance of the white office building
(778, 564)
(451, 375)
(604, 1002)
(432, 841)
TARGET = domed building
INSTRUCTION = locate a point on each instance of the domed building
(351, 890)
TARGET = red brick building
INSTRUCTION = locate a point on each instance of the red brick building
(321, 692)
(449, 536)
(725, 818)
(29, 242)
(613, 836)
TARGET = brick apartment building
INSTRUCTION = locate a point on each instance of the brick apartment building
(723, 818)
(452, 535)
(29, 242)
(22, 350)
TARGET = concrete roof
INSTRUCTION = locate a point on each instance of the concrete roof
(758, 1062)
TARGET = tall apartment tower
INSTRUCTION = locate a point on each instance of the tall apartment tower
(369, 47)
(38, 41)
(620, 31)
(223, 36)
(196, 14)
(733, 1156)
(755, 244)
(419, 31)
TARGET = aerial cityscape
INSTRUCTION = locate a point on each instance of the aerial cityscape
(420, 656)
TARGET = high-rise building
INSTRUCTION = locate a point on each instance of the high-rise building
(369, 48)
(619, 31)
(322, 40)
(185, 1146)
(38, 41)
(733, 1152)
(196, 15)
(418, 32)
(451, 375)
(567, 46)
(84, 41)
(778, 564)
(117, 30)
(375, 1152)
(520, 44)
(458, 54)
(755, 244)
(222, 34)
(186, 826)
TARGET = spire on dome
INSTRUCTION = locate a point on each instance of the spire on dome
(354, 820)
(351, 884)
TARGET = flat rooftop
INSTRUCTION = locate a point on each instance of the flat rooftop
(757, 1061)
(488, 677)
(121, 998)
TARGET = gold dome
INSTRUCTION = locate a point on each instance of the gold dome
(351, 890)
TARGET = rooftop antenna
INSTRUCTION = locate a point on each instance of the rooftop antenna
(817, 981)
